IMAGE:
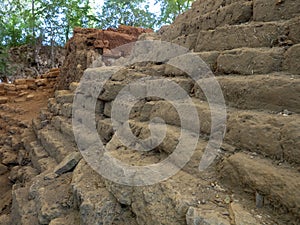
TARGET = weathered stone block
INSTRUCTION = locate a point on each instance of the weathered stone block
(21, 87)
(294, 30)
(72, 218)
(250, 61)
(290, 139)
(41, 82)
(10, 87)
(3, 100)
(37, 152)
(210, 58)
(31, 84)
(20, 81)
(250, 92)
(270, 10)
(292, 59)
(66, 110)
(67, 130)
(23, 210)
(96, 204)
(235, 13)
(196, 216)
(263, 176)
(187, 41)
(64, 96)
(253, 35)
(110, 90)
(53, 197)
(68, 163)
(241, 216)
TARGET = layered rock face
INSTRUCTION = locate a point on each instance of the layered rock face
(87, 46)
(252, 48)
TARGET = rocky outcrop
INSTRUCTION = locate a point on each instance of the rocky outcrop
(30, 62)
(92, 48)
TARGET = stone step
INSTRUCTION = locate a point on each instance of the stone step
(279, 186)
(37, 124)
(23, 209)
(249, 92)
(240, 12)
(39, 157)
(268, 10)
(137, 152)
(252, 35)
(53, 106)
(188, 190)
(271, 92)
(291, 62)
(212, 12)
(206, 6)
(249, 61)
(66, 110)
(64, 96)
(64, 125)
(58, 107)
(55, 144)
(272, 135)
(45, 114)
(52, 196)
(96, 205)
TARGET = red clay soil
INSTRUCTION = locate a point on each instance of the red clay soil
(87, 44)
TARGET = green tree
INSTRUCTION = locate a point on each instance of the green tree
(61, 16)
(12, 23)
(127, 12)
(172, 8)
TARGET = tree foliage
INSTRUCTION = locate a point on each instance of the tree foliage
(172, 8)
(126, 12)
(51, 22)
(26, 21)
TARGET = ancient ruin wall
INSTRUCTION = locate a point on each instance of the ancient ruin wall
(252, 47)
(88, 45)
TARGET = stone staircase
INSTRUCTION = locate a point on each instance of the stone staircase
(258, 153)
(61, 194)
(252, 47)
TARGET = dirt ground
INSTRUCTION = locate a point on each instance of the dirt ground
(15, 115)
